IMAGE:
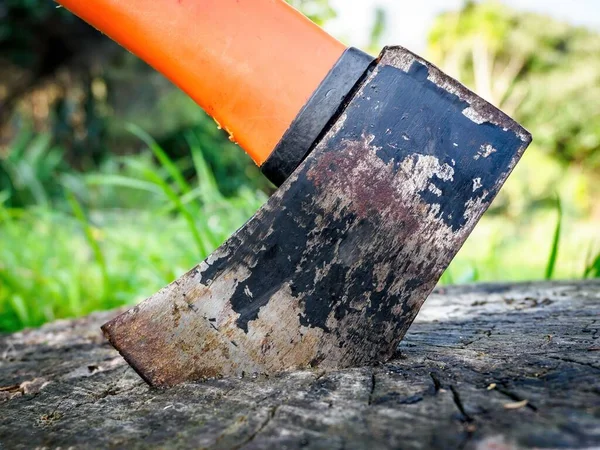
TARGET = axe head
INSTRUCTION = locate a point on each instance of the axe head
(333, 269)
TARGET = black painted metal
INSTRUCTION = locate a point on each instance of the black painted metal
(404, 116)
(313, 118)
(401, 116)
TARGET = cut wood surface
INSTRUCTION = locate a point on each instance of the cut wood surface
(483, 367)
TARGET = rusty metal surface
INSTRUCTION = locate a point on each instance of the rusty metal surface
(333, 269)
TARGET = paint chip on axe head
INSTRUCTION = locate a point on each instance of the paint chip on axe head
(333, 269)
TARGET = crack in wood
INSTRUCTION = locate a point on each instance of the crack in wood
(573, 361)
(372, 390)
(437, 385)
(486, 334)
(459, 404)
(253, 436)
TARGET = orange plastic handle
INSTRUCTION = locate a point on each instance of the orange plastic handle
(250, 64)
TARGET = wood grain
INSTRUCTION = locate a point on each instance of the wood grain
(458, 381)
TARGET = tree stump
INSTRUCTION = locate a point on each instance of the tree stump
(490, 366)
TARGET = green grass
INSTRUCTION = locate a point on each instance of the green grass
(592, 268)
(551, 266)
(71, 244)
(546, 244)
(67, 259)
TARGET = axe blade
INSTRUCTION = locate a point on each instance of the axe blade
(333, 269)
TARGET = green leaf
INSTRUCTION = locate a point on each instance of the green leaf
(123, 181)
(89, 234)
(550, 266)
(592, 269)
(176, 200)
(19, 306)
(162, 157)
(206, 180)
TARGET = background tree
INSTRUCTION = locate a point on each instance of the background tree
(544, 72)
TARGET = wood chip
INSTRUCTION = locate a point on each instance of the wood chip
(516, 405)
(11, 388)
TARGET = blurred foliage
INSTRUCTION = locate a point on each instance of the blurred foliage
(27, 173)
(107, 238)
(319, 11)
(19, 21)
(544, 72)
(377, 31)
(169, 114)
(592, 270)
(86, 98)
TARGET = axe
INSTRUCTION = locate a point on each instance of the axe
(383, 166)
